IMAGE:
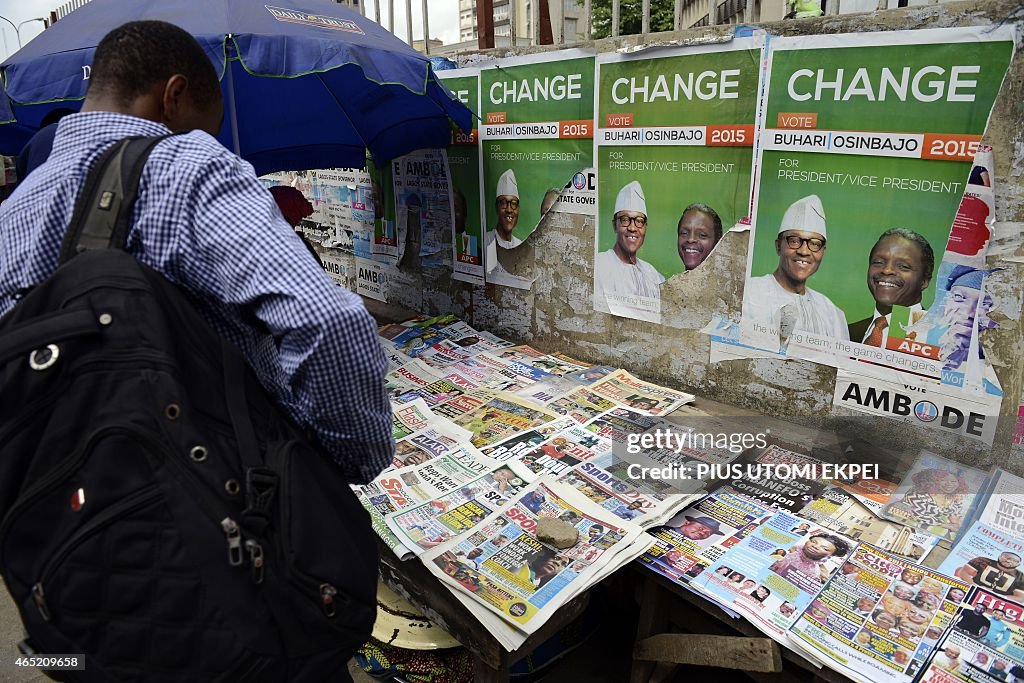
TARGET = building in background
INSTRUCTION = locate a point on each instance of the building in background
(566, 21)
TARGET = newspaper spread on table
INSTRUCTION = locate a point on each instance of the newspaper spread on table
(878, 617)
(506, 570)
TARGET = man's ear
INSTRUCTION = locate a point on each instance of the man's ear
(175, 101)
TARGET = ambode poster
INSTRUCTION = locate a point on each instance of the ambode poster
(674, 153)
(537, 137)
(866, 150)
(464, 166)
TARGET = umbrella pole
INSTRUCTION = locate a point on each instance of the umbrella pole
(232, 112)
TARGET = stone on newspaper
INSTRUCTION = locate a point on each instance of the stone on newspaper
(556, 532)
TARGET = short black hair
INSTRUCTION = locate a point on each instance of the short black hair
(134, 56)
(716, 220)
(927, 255)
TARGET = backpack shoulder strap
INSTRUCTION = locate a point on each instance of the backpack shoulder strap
(103, 211)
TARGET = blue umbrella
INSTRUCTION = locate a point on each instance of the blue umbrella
(310, 85)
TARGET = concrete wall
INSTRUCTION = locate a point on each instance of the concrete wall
(557, 313)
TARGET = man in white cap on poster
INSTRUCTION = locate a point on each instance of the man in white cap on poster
(623, 281)
(506, 204)
(782, 300)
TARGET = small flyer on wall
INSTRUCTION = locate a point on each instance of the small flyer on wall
(464, 164)
(674, 154)
(537, 136)
(878, 618)
(423, 205)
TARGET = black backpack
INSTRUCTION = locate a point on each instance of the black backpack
(145, 523)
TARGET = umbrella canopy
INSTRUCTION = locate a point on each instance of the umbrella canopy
(306, 85)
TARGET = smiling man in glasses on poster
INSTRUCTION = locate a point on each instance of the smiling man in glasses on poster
(621, 278)
(782, 299)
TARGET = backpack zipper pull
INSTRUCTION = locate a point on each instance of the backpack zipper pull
(40, 599)
(256, 558)
(234, 536)
(327, 593)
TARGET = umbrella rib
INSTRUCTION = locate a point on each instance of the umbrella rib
(342, 109)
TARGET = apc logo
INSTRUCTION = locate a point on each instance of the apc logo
(926, 411)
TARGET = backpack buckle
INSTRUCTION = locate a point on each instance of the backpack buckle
(260, 489)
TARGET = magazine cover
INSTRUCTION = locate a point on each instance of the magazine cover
(790, 495)
(501, 417)
(839, 510)
(878, 617)
(1003, 506)
(988, 558)
(773, 574)
(984, 645)
(520, 443)
(935, 495)
(700, 535)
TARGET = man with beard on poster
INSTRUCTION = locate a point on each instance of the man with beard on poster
(506, 204)
(699, 230)
(618, 271)
(781, 300)
(900, 268)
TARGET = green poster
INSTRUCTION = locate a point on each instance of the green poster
(385, 233)
(674, 155)
(464, 165)
(867, 148)
(536, 147)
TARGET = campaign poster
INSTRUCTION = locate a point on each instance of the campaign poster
(423, 205)
(867, 147)
(674, 155)
(464, 166)
(537, 137)
(382, 190)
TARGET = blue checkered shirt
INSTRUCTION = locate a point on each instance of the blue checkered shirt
(206, 223)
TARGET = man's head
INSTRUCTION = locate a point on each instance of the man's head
(748, 584)
(698, 232)
(156, 71)
(900, 268)
(952, 651)
(998, 614)
(964, 303)
(1009, 560)
(699, 528)
(800, 243)
(911, 576)
(546, 564)
(506, 203)
(630, 221)
(594, 531)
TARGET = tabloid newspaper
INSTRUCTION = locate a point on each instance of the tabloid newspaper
(790, 495)
(563, 451)
(402, 383)
(984, 645)
(457, 349)
(396, 358)
(1002, 507)
(547, 390)
(421, 446)
(873, 494)
(504, 568)
(466, 403)
(700, 535)
(467, 503)
(989, 558)
(619, 422)
(771, 575)
(878, 617)
(839, 510)
(521, 443)
(468, 374)
(625, 389)
(396, 489)
(935, 495)
(581, 404)
(606, 482)
(500, 417)
(407, 418)
(559, 364)
(591, 374)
